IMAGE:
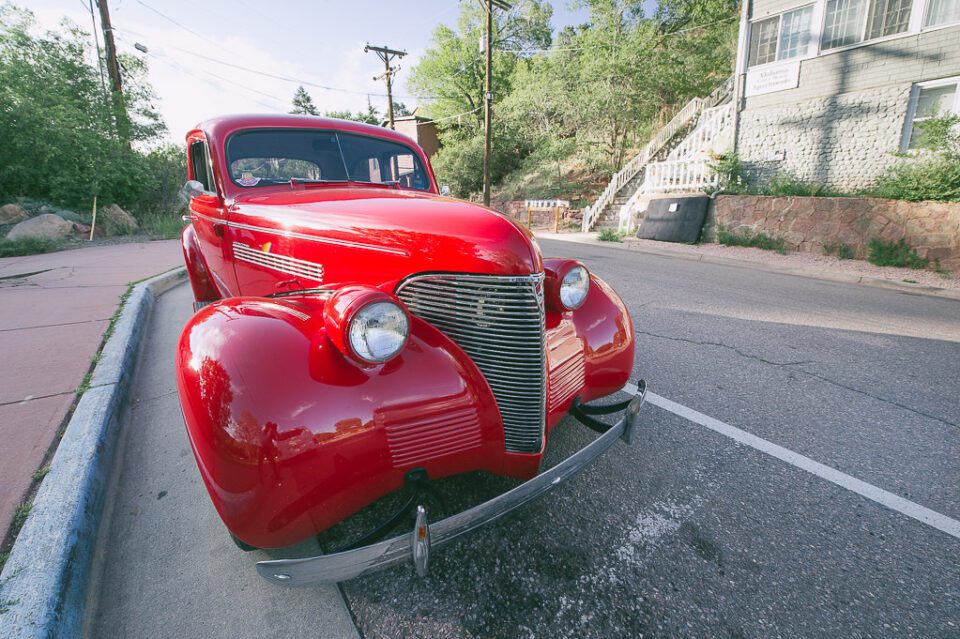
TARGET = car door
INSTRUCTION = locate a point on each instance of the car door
(209, 216)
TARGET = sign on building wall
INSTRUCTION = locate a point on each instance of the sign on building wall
(771, 78)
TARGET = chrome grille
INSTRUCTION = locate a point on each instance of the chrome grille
(498, 322)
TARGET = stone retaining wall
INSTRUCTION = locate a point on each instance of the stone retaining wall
(809, 223)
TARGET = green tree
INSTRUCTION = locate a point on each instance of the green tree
(59, 127)
(303, 103)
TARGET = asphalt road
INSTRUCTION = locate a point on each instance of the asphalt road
(686, 533)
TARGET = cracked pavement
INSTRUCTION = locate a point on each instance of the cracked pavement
(688, 533)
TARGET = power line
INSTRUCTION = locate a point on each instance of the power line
(450, 117)
(173, 64)
(266, 74)
(185, 28)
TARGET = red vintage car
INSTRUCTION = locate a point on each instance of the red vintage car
(357, 333)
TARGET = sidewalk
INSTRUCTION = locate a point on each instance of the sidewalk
(820, 267)
(54, 309)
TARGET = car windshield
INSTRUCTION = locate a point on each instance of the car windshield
(267, 157)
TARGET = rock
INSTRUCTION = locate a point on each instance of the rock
(11, 214)
(47, 226)
(84, 231)
(116, 221)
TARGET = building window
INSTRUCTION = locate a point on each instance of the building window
(843, 24)
(888, 17)
(763, 41)
(942, 12)
(851, 21)
(795, 33)
(928, 101)
(781, 37)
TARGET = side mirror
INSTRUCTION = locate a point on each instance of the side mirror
(445, 190)
(192, 189)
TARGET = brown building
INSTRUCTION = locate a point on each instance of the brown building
(421, 129)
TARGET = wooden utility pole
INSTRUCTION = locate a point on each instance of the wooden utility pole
(487, 104)
(488, 6)
(113, 67)
(386, 54)
(113, 70)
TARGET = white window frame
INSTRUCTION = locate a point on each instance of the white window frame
(923, 18)
(915, 26)
(914, 101)
(811, 46)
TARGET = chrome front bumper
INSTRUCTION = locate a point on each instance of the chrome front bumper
(416, 546)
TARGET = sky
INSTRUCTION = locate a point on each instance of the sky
(318, 42)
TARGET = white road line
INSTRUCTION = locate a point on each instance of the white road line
(862, 488)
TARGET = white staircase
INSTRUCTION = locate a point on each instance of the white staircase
(684, 169)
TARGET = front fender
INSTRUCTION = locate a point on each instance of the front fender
(590, 350)
(291, 437)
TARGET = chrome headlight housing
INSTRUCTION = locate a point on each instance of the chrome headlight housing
(574, 287)
(378, 331)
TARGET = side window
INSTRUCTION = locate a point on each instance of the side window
(928, 101)
(200, 164)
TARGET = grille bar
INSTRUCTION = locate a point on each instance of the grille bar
(499, 322)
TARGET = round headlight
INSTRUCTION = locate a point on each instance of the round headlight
(574, 287)
(378, 331)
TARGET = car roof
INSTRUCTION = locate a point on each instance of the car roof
(217, 129)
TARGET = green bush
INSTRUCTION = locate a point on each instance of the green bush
(611, 235)
(786, 184)
(935, 178)
(729, 169)
(897, 253)
(842, 251)
(27, 246)
(756, 240)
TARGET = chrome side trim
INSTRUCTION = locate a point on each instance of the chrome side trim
(303, 236)
(276, 262)
(354, 563)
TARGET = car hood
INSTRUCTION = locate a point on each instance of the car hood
(387, 233)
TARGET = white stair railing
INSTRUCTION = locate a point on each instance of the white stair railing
(686, 167)
(635, 165)
(713, 123)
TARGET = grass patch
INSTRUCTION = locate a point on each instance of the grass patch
(754, 240)
(788, 185)
(27, 246)
(842, 251)
(909, 281)
(611, 235)
(6, 603)
(3, 561)
(165, 225)
(40, 473)
(897, 253)
(21, 513)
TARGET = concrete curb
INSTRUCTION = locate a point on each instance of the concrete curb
(874, 282)
(43, 586)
